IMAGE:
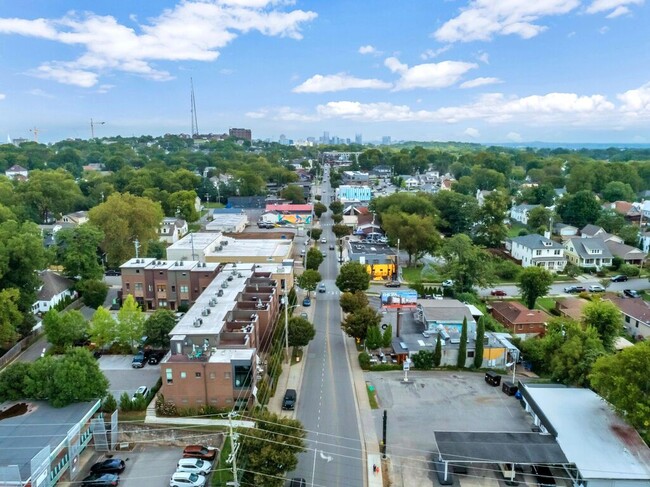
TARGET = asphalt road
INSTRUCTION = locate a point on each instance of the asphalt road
(558, 288)
(326, 405)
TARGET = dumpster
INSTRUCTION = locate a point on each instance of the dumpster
(493, 378)
(509, 388)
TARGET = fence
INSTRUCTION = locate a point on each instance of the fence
(14, 351)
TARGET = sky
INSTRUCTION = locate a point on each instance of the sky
(485, 71)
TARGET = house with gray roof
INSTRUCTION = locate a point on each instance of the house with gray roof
(628, 253)
(537, 250)
(590, 253)
(636, 316)
(519, 213)
(564, 230)
(54, 289)
(590, 231)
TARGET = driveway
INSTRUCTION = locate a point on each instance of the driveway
(123, 377)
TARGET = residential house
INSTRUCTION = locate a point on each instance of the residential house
(17, 172)
(536, 250)
(628, 253)
(172, 229)
(590, 253)
(383, 171)
(54, 289)
(519, 213)
(520, 320)
(631, 211)
(446, 183)
(76, 218)
(636, 316)
(481, 194)
(355, 177)
(353, 212)
(411, 183)
(570, 307)
(590, 231)
(645, 240)
(565, 231)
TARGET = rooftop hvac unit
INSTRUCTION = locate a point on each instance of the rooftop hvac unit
(213, 302)
(253, 316)
(204, 312)
(198, 322)
(225, 242)
(224, 284)
(239, 274)
(220, 293)
(233, 272)
(177, 263)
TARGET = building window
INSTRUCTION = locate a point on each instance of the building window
(137, 271)
(281, 283)
(137, 286)
(557, 252)
(173, 289)
(168, 374)
(184, 274)
(226, 375)
(183, 375)
(470, 354)
(128, 286)
(627, 319)
(213, 376)
(162, 303)
(150, 287)
(637, 325)
(185, 289)
(242, 376)
(538, 252)
(161, 289)
(197, 375)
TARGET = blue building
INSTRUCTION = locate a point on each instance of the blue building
(354, 193)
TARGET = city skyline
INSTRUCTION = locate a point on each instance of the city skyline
(482, 71)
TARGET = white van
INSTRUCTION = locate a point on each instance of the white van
(194, 465)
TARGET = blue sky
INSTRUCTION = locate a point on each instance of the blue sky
(470, 70)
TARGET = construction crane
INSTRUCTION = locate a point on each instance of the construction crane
(92, 127)
(35, 131)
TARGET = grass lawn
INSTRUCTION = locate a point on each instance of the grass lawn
(545, 304)
(411, 274)
(514, 230)
(223, 474)
(372, 396)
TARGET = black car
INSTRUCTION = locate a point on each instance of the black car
(619, 278)
(631, 293)
(297, 482)
(110, 465)
(543, 475)
(574, 289)
(101, 480)
(138, 360)
(393, 284)
(155, 357)
(289, 400)
(113, 272)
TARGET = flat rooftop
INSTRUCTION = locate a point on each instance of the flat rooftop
(140, 263)
(22, 437)
(197, 241)
(371, 248)
(174, 265)
(228, 219)
(250, 247)
(590, 433)
(226, 355)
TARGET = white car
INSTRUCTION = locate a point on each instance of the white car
(186, 479)
(142, 391)
(596, 288)
(193, 465)
(323, 240)
(448, 283)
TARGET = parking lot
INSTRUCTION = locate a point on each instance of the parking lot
(438, 401)
(123, 377)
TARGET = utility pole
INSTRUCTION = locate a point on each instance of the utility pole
(383, 441)
(92, 127)
(286, 326)
(234, 447)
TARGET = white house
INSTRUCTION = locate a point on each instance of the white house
(17, 172)
(588, 252)
(76, 218)
(481, 194)
(54, 289)
(536, 250)
(172, 229)
(519, 213)
(564, 230)
(411, 183)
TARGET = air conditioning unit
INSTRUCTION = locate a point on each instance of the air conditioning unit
(220, 293)
(224, 284)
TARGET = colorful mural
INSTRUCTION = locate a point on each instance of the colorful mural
(287, 219)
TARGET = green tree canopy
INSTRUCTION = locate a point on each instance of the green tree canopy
(315, 233)
(314, 259)
(351, 301)
(93, 292)
(308, 280)
(539, 217)
(618, 191)
(490, 229)
(10, 316)
(480, 338)
(457, 211)
(130, 323)
(103, 328)
(63, 329)
(356, 324)
(293, 193)
(158, 326)
(534, 282)
(336, 207)
(341, 230)
(605, 318)
(466, 264)
(462, 348)
(353, 277)
(417, 234)
(319, 209)
(183, 205)
(301, 332)
(76, 251)
(579, 209)
(50, 194)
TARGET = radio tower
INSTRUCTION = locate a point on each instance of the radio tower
(195, 123)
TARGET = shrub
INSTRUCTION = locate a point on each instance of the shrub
(506, 269)
(125, 403)
(109, 404)
(164, 408)
(364, 360)
(523, 233)
(629, 270)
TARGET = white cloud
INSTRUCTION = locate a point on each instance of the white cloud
(514, 137)
(604, 29)
(369, 49)
(39, 92)
(636, 102)
(430, 75)
(285, 114)
(338, 82)
(192, 30)
(2, 96)
(105, 88)
(617, 7)
(434, 53)
(481, 81)
(484, 57)
(484, 19)
(472, 132)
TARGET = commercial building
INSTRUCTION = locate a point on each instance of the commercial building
(379, 258)
(171, 284)
(227, 222)
(354, 193)
(355, 177)
(241, 134)
(288, 214)
(216, 346)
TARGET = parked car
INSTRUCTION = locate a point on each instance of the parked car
(208, 453)
(298, 482)
(543, 475)
(619, 278)
(138, 360)
(186, 479)
(322, 288)
(631, 293)
(332, 247)
(323, 240)
(101, 480)
(155, 357)
(113, 272)
(498, 292)
(306, 302)
(448, 283)
(596, 288)
(574, 289)
(393, 284)
(141, 391)
(110, 465)
(194, 465)
(289, 399)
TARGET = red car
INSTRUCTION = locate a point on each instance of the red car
(200, 451)
(498, 292)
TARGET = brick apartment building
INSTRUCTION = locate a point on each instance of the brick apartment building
(241, 133)
(215, 347)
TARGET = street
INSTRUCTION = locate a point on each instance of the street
(557, 289)
(326, 405)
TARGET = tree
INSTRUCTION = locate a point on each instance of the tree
(373, 338)
(293, 193)
(539, 217)
(78, 378)
(466, 264)
(351, 301)
(341, 230)
(606, 319)
(353, 277)
(314, 259)
(579, 209)
(125, 218)
(572, 362)
(437, 353)
(93, 292)
(76, 250)
(50, 194)
(103, 328)
(480, 337)
(423, 360)
(308, 280)
(158, 326)
(337, 218)
(130, 323)
(63, 329)
(618, 191)
(387, 336)
(417, 234)
(319, 209)
(301, 331)
(271, 449)
(534, 282)
(629, 234)
(183, 205)
(336, 207)
(611, 221)
(457, 211)
(462, 348)
(13, 381)
(490, 229)
(622, 380)
(315, 233)
(10, 315)
(356, 324)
